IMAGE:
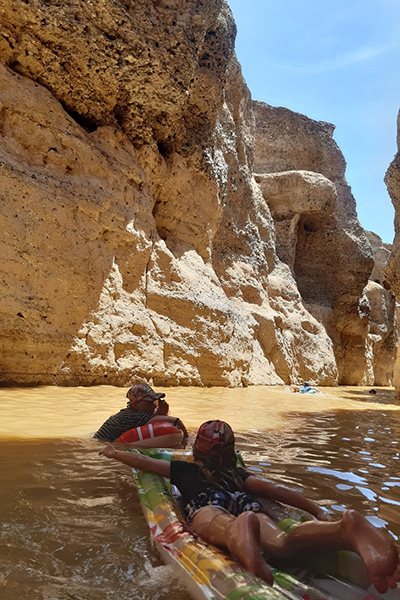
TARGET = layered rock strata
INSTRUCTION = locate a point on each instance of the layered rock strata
(136, 242)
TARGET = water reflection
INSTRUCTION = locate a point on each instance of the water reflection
(72, 526)
(365, 479)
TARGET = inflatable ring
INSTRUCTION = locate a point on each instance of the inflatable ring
(153, 435)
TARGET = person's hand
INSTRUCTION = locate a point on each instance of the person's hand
(184, 441)
(109, 451)
(162, 408)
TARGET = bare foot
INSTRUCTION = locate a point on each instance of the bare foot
(244, 543)
(379, 554)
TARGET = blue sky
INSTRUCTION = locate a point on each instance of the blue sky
(335, 61)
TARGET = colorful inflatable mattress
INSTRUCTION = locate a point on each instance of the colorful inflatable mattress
(210, 574)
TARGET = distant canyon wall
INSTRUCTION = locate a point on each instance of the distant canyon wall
(392, 272)
(157, 224)
(338, 267)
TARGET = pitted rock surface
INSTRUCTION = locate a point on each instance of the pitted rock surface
(392, 272)
(301, 172)
(136, 242)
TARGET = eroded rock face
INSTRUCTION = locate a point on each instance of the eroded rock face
(301, 172)
(292, 195)
(136, 241)
(392, 272)
(382, 339)
(155, 68)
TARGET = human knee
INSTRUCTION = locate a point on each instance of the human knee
(210, 519)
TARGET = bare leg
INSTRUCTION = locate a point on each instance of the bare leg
(240, 535)
(352, 532)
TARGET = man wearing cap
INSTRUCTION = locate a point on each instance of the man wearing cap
(144, 406)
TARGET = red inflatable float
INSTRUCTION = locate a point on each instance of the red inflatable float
(153, 435)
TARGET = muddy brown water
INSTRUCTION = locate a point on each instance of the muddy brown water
(71, 523)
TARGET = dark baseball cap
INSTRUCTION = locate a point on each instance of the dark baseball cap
(143, 391)
(214, 436)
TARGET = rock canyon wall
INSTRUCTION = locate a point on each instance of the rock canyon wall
(159, 225)
(301, 172)
(392, 271)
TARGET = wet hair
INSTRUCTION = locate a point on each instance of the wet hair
(220, 467)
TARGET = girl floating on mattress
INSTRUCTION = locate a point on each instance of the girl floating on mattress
(221, 507)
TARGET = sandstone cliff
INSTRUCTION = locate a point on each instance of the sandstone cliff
(301, 172)
(392, 273)
(382, 340)
(136, 240)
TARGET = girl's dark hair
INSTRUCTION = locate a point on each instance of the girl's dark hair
(221, 469)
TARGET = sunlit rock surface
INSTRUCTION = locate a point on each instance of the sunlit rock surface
(136, 242)
(382, 338)
(392, 272)
(301, 172)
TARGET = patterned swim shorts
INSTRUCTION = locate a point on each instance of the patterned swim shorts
(235, 503)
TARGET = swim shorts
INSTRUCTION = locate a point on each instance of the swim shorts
(235, 503)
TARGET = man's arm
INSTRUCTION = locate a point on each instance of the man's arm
(267, 489)
(138, 461)
(168, 419)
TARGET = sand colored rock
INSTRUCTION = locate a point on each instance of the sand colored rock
(136, 242)
(382, 253)
(292, 195)
(382, 339)
(392, 272)
(301, 172)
